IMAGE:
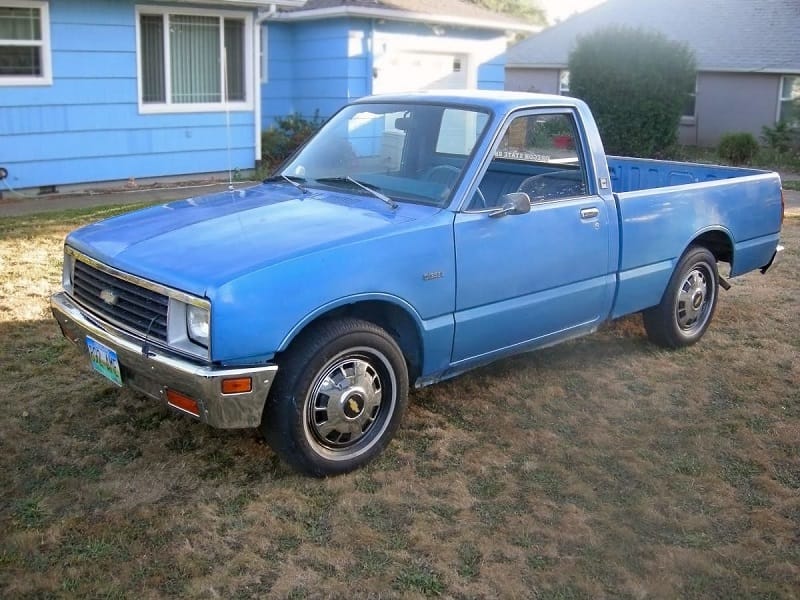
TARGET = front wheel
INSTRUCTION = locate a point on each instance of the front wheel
(689, 303)
(339, 397)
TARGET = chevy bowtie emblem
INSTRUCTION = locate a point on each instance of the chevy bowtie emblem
(109, 297)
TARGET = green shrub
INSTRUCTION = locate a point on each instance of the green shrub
(781, 138)
(637, 83)
(781, 149)
(287, 135)
(737, 148)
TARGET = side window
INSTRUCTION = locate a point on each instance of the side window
(539, 155)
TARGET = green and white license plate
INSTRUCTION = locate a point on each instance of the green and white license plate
(104, 360)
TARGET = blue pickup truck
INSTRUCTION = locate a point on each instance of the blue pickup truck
(413, 238)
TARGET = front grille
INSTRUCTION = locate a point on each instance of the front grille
(127, 304)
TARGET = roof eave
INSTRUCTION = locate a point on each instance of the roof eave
(401, 15)
(513, 65)
(259, 4)
(755, 70)
(700, 69)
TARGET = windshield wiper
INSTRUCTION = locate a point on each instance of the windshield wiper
(367, 188)
(291, 179)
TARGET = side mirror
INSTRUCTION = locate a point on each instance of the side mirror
(3, 173)
(515, 203)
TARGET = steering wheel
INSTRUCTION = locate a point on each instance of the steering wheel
(478, 201)
(445, 174)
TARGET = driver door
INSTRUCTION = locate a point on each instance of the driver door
(532, 279)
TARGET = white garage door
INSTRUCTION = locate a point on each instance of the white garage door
(408, 71)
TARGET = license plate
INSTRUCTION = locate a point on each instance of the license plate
(104, 360)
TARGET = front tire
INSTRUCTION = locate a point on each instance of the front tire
(688, 304)
(338, 399)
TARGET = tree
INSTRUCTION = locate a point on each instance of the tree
(637, 84)
(524, 9)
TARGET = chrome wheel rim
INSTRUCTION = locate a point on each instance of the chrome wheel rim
(695, 299)
(349, 403)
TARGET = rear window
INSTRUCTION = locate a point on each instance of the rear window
(459, 130)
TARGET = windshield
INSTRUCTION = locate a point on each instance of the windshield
(409, 152)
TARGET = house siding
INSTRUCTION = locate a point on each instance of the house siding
(86, 126)
(732, 102)
(322, 66)
(316, 67)
(543, 81)
(277, 89)
(491, 74)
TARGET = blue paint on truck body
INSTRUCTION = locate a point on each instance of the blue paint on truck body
(274, 258)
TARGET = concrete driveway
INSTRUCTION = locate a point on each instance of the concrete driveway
(15, 205)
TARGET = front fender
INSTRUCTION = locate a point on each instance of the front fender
(339, 302)
(258, 314)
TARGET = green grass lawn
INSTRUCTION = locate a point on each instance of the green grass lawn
(601, 468)
(791, 184)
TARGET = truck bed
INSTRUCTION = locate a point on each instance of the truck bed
(633, 174)
(734, 207)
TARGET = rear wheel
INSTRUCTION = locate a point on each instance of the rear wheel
(339, 397)
(688, 305)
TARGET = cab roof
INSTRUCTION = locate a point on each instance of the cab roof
(494, 100)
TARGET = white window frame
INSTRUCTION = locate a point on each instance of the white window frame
(46, 78)
(692, 119)
(168, 106)
(781, 98)
(263, 54)
(563, 91)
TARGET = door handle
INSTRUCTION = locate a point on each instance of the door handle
(589, 213)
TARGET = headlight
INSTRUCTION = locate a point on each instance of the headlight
(198, 324)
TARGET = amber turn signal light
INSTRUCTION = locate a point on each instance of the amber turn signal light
(183, 402)
(240, 385)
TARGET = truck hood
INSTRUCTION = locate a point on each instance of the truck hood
(202, 243)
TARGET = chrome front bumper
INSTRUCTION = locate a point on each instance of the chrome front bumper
(155, 371)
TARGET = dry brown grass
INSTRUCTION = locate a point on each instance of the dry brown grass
(604, 467)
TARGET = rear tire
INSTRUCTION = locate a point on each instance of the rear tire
(688, 304)
(340, 394)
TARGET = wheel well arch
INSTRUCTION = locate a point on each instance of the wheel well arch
(717, 242)
(395, 319)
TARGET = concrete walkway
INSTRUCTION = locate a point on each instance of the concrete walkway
(792, 200)
(12, 205)
(791, 197)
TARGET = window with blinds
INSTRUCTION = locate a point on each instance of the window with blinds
(189, 59)
(24, 51)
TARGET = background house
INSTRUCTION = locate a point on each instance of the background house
(108, 90)
(748, 58)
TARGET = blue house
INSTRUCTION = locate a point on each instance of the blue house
(109, 90)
